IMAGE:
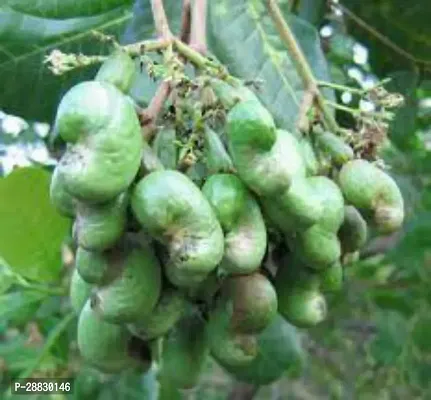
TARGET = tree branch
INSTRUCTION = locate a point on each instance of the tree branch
(185, 22)
(149, 116)
(199, 26)
(160, 19)
(303, 67)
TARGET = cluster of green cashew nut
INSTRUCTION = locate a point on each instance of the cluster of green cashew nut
(172, 264)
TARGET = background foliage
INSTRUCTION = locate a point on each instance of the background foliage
(377, 341)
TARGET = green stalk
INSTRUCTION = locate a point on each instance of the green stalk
(303, 68)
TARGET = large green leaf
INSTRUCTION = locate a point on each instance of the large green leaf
(65, 8)
(31, 230)
(243, 37)
(29, 88)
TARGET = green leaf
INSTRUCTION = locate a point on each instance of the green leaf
(31, 230)
(16, 354)
(29, 88)
(19, 306)
(65, 9)
(390, 340)
(243, 37)
(388, 299)
(410, 253)
(402, 129)
(421, 334)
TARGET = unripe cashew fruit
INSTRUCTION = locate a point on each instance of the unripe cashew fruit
(96, 268)
(99, 226)
(254, 302)
(228, 347)
(303, 308)
(118, 70)
(79, 291)
(318, 246)
(104, 345)
(105, 141)
(332, 145)
(170, 308)
(371, 190)
(60, 198)
(250, 125)
(229, 94)
(227, 195)
(279, 350)
(299, 297)
(217, 158)
(276, 171)
(172, 209)
(165, 148)
(241, 219)
(185, 350)
(309, 156)
(136, 290)
(353, 232)
(331, 279)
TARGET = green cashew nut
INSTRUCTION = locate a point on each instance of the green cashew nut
(60, 198)
(249, 124)
(228, 347)
(227, 195)
(229, 94)
(353, 232)
(254, 302)
(136, 290)
(331, 279)
(217, 158)
(299, 298)
(241, 219)
(374, 192)
(308, 154)
(96, 268)
(332, 145)
(185, 351)
(174, 211)
(79, 291)
(165, 148)
(105, 141)
(98, 227)
(106, 346)
(318, 246)
(279, 350)
(303, 308)
(276, 172)
(118, 70)
(168, 311)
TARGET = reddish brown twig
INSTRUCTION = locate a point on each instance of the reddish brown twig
(186, 22)
(199, 26)
(149, 116)
(160, 20)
